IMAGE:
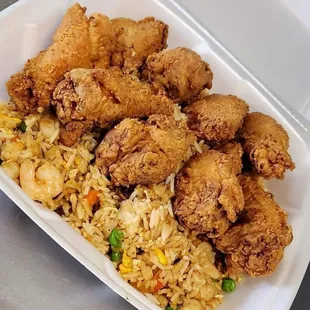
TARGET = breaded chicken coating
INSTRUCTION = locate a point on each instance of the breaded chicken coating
(32, 87)
(256, 243)
(71, 132)
(208, 194)
(80, 42)
(100, 97)
(124, 42)
(266, 142)
(103, 38)
(137, 152)
(216, 117)
(233, 149)
(180, 71)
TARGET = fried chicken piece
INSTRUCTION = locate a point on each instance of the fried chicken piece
(103, 38)
(234, 149)
(103, 96)
(124, 42)
(33, 86)
(180, 71)
(70, 133)
(208, 194)
(256, 243)
(266, 143)
(80, 42)
(216, 117)
(136, 152)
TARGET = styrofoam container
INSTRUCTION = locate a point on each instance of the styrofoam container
(27, 28)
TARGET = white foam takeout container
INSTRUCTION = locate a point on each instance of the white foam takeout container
(27, 28)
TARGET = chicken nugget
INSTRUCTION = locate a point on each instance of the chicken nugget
(136, 152)
(266, 143)
(255, 244)
(208, 194)
(216, 117)
(180, 71)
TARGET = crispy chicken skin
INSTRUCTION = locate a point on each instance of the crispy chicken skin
(33, 86)
(216, 117)
(136, 152)
(103, 96)
(80, 42)
(233, 149)
(124, 42)
(103, 40)
(70, 133)
(256, 243)
(266, 142)
(208, 194)
(180, 71)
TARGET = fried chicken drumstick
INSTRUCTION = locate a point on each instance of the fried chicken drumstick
(266, 143)
(256, 243)
(208, 194)
(136, 152)
(100, 97)
(180, 71)
(80, 42)
(32, 87)
(216, 117)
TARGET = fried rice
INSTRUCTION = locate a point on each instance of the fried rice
(166, 262)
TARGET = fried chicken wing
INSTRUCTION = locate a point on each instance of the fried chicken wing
(124, 42)
(180, 71)
(216, 117)
(266, 142)
(139, 40)
(208, 194)
(256, 243)
(101, 97)
(80, 42)
(103, 38)
(136, 152)
(33, 86)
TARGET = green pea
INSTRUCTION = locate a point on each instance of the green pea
(169, 308)
(228, 285)
(22, 126)
(116, 238)
(116, 256)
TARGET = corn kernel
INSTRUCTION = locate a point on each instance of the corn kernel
(161, 256)
(127, 261)
(13, 121)
(124, 270)
(9, 118)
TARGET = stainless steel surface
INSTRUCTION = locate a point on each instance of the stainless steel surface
(36, 274)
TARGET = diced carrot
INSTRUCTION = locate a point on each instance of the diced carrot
(156, 275)
(158, 286)
(14, 139)
(92, 197)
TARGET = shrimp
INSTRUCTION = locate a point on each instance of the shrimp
(11, 168)
(43, 184)
(12, 150)
(49, 126)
